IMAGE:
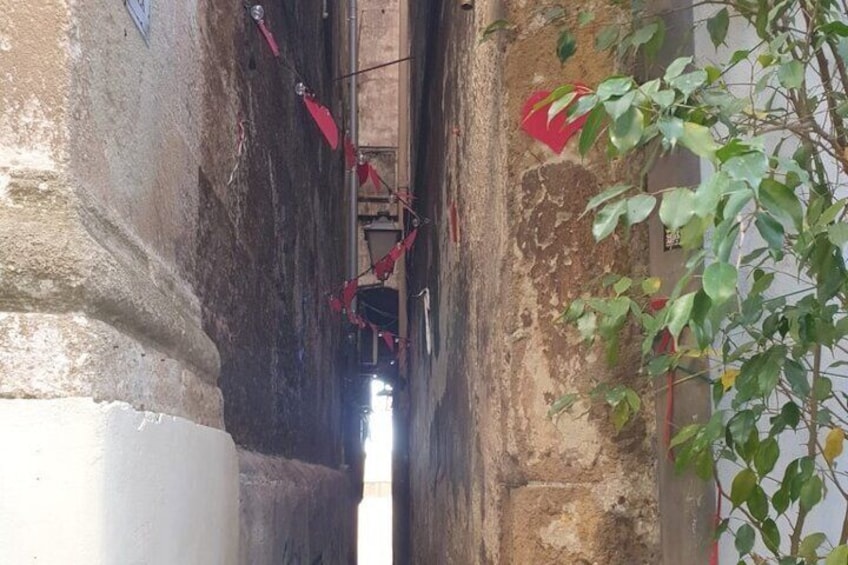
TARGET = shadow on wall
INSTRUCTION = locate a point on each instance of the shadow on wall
(268, 245)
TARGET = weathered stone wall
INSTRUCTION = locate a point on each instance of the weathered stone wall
(134, 270)
(269, 246)
(493, 480)
(292, 513)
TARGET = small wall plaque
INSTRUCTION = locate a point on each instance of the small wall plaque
(671, 239)
(140, 12)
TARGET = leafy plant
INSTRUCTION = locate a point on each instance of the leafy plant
(764, 298)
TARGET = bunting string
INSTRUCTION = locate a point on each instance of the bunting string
(341, 301)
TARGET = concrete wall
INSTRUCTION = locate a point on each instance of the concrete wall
(493, 480)
(84, 483)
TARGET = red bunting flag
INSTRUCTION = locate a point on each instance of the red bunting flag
(384, 267)
(350, 153)
(365, 172)
(324, 120)
(389, 339)
(554, 133)
(269, 37)
(349, 292)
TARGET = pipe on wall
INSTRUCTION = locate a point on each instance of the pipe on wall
(353, 183)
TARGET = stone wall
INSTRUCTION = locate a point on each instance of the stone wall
(148, 265)
(293, 513)
(493, 479)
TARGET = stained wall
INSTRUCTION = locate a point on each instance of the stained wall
(493, 478)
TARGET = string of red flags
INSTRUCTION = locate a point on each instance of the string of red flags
(555, 132)
(342, 301)
(385, 266)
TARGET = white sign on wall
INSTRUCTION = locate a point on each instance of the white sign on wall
(140, 12)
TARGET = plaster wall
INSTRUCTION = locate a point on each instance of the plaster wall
(84, 483)
(493, 479)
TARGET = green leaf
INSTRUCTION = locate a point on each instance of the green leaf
(676, 68)
(566, 46)
(685, 434)
(697, 139)
(720, 280)
(811, 492)
(758, 503)
(627, 130)
(560, 104)
(620, 415)
(677, 208)
(616, 108)
(678, 314)
(607, 37)
(791, 74)
(615, 86)
(771, 535)
(750, 167)
(652, 48)
(644, 34)
(574, 311)
(639, 208)
(839, 556)
(823, 388)
(767, 455)
(709, 193)
(587, 325)
(622, 285)
(771, 230)
(689, 82)
(562, 404)
(651, 285)
(591, 129)
(781, 202)
(780, 501)
(583, 106)
(838, 234)
(742, 486)
(607, 194)
(495, 26)
(717, 26)
(745, 536)
(585, 17)
(810, 544)
(663, 98)
(607, 219)
(671, 128)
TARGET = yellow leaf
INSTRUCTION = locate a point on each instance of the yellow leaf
(728, 378)
(833, 444)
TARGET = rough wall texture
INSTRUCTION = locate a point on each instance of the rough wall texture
(292, 513)
(493, 480)
(269, 245)
(144, 258)
(117, 216)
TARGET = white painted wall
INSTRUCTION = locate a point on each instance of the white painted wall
(89, 484)
(826, 517)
